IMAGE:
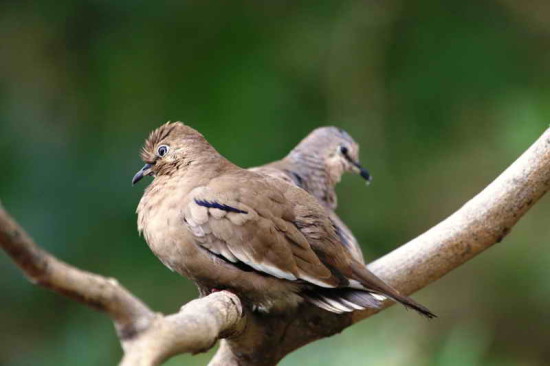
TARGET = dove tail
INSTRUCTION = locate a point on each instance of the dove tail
(342, 300)
(411, 304)
(374, 284)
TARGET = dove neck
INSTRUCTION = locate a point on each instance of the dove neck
(309, 172)
(208, 166)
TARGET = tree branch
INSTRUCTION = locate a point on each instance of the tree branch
(255, 339)
(483, 221)
(147, 338)
(129, 314)
(195, 328)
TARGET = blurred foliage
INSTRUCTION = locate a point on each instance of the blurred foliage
(442, 97)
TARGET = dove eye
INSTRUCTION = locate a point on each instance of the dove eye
(344, 150)
(162, 150)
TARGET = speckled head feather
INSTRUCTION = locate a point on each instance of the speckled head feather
(169, 132)
(170, 147)
(319, 161)
(325, 141)
(148, 154)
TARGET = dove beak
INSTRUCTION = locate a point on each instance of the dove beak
(146, 170)
(357, 168)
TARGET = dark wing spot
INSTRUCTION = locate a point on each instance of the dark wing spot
(240, 265)
(221, 206)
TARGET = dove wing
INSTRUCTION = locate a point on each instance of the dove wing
(254, 224)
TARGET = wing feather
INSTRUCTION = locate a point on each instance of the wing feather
(257, 237)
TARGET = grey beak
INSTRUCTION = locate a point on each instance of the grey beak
(142, 173)
(363, 172)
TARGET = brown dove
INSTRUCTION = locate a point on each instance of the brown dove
(227, 228)
(316, 164)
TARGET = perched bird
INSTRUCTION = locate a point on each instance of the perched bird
(224, 227)
(317, 164)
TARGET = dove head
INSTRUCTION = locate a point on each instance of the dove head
(171, 147)
(331, 149)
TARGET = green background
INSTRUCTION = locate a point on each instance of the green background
(441, 95)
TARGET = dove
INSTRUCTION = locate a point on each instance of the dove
(316, 164)
(227, 228)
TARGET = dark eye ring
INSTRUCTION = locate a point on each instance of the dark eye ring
(344, 150)
(162, 150)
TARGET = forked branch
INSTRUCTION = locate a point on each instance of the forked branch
(252, 339)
